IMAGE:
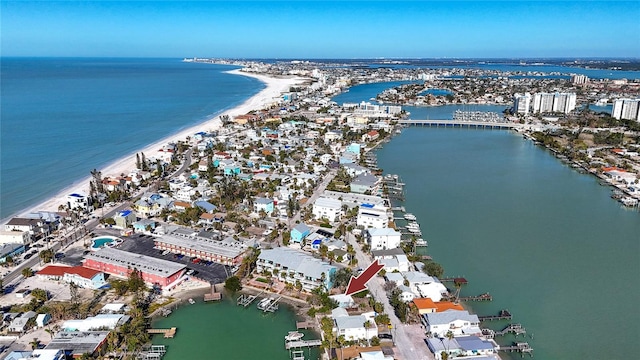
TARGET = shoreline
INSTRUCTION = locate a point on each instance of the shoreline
(274, 88)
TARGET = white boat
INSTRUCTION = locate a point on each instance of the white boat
(629, 201)
(294, 336)
(264, 303)
(414, 230)
(191, 301)
(409, 216)
(413, 225)
(421, 242)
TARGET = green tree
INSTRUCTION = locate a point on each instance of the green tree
(233, 284)
(46, 255)
(432, 268)
(27, 272)
(135, 283)
(40, 295)
(34, 343)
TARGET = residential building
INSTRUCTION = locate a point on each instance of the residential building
(35, 228)
(121, 263)
(79, 275)
(228, 252)
(328, 208)
(43, 319)
(382, 238)
(124, 218)
(372, 216)
(463, 347)
(9, 249)
(365, 184)
(459, 322)
(37, 354)
(100, 321)
(296, 266)
(77, 201)
(299, 232)
(263, 204)
(628, 109)
(579, 79)
(344, 301)
(20, 238)
(425, 285)
(521, 103)
(554, 103)
(19, 324)
(78, 343)
(354, 327)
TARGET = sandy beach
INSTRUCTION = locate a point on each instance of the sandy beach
(274, 88)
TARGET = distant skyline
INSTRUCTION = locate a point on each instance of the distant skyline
(309, 29)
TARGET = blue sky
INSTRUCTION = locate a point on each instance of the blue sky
(309, 29)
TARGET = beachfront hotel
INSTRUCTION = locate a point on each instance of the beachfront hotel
(223, 252)
(292, 266)
(121, 263)
(628, 109)
(553, 102)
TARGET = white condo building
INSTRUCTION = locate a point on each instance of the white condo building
(521, 103)
(628, 109)
(328, 208)
(372, 216)
(553, 103)
(382, 239)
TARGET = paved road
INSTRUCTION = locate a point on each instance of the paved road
(409, 346)
(316, 194)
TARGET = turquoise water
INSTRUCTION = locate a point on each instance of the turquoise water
(224, 330)
(63, 117)
(100, 242)
(547, 242)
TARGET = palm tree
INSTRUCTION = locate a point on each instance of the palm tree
(34, 343)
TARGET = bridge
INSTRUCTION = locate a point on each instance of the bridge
(461, 124)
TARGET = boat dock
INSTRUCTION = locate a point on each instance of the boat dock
(168, 333)
(155, 352)
(481, 297)
(521, 347)
(304, 324)
(302, 343)
(269, 304)
(455, 280)
(246, 300)
(213, 295)
(515, 329)
(502, 315)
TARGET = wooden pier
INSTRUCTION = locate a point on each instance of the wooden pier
(521, 347)
(304, 324)
(246, 300)
(398, 208)
(502, 315)
(213, 295)
(168, 333)
(455, 280)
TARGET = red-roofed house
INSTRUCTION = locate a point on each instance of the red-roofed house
(370, 136)
(79, 275)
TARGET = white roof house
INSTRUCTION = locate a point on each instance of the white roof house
(100, 321)
(381, 239)
(372, 216)
(328, 208)
(353, 327)
(459, 322)
(311, 272)
(425, 285)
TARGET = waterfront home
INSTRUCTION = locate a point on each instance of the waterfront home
(300, 232)
(77, 200)
(78, 343)
(355, 200)
(294, 266)
(124, 218)
(35, 228)
(354, 327)
(372, 216)
(365, 184)
(398, 263)
(343, 300)
(425, 285)
(370, 136)
(459, 322)
(120, 264)
(79, 275)
(426, 305)
(327, 208)
(382, 238)
(355, 170)
(462, 347)
(100, 321)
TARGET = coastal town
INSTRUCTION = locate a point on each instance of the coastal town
(283, 203)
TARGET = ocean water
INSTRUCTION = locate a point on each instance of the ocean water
(63, 117)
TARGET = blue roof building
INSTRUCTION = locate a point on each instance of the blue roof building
(300, 232)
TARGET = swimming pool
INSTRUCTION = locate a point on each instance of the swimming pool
(104, 241)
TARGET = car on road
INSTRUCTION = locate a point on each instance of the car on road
(166, 252)
(385, 336)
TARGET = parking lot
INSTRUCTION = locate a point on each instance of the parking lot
(143, 244)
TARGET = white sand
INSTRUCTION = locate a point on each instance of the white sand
(268, 96)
